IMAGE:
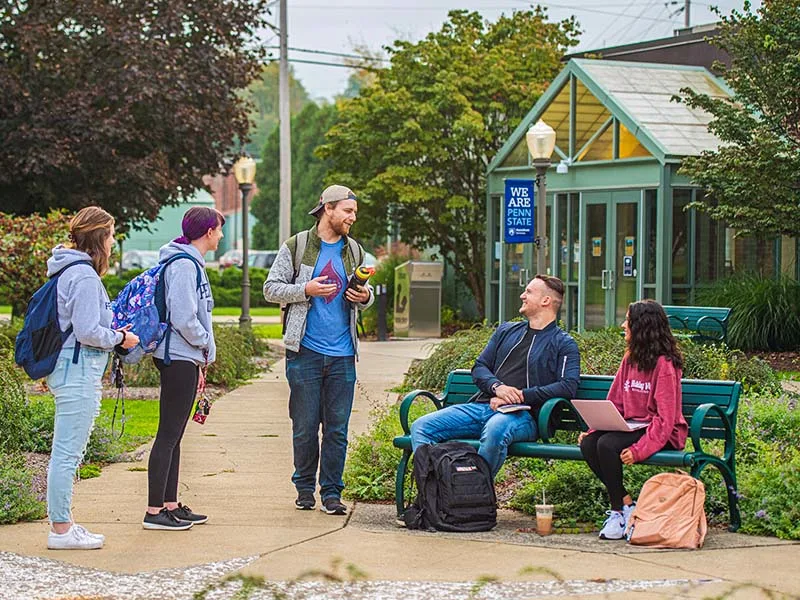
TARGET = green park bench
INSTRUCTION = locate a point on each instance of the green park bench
(706, 322)
(708, 406)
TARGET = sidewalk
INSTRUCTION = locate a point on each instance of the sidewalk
(237, 467)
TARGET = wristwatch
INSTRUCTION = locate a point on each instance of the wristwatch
(496, 385)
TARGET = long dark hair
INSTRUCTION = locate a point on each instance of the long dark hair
(197, 221)
(651, 336)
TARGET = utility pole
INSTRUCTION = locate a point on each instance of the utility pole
(686, 10)
(285, 211)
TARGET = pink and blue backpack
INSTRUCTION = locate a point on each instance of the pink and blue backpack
(142, 304)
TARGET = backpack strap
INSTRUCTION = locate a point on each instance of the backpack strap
(301, 241)
(166, 263)
(77, 351)
(356, 250)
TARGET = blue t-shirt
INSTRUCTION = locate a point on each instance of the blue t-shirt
(328, 321)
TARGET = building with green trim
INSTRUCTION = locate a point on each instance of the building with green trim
(618, 225)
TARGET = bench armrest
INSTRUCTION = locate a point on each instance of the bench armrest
(699, 417)
(405, 407)
(723, 324)
(682, 323)
(546, 414)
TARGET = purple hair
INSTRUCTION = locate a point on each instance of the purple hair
(197, 221)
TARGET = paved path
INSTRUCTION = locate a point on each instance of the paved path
(237, 468)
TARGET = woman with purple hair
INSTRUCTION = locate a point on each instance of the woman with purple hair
(191, 347)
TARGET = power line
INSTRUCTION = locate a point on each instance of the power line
(326, 64)
(341, 54)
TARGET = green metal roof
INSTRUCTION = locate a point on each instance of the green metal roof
(639, 96)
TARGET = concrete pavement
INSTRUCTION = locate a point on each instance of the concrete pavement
(237, 467)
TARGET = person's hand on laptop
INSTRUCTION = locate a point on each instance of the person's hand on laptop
(626, 456)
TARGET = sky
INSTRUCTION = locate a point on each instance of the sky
(340, 25)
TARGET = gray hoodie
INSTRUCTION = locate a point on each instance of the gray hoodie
(82, 301)
(188, 308)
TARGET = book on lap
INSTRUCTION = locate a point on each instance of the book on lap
(602, 415)
(510, 408)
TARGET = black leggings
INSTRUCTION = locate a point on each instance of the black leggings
(178, 387)
(601, 449)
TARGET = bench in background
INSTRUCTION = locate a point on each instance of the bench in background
(704, 322)
(708, 406)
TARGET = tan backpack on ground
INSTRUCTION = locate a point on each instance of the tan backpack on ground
(669, 513)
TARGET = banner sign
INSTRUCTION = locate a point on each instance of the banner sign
(518, 222)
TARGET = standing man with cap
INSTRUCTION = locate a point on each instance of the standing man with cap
(310, 276)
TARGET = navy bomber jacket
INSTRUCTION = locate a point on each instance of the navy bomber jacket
(554, 364)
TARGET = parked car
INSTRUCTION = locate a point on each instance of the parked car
(261, 258)
(139, 259)
(231, 258)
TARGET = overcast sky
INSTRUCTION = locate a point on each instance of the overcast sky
(339, 25)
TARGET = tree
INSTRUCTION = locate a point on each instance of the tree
(263, 95)
(308, 174)
(121, 104)
(25, 247)
(752, 181)
(415, 145)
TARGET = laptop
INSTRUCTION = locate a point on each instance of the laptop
(602, 415)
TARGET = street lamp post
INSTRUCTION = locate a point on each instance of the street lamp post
(245, 172)
(541, 139)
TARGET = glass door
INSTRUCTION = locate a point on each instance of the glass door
(518, 272)
(596, 259)
(625, 275)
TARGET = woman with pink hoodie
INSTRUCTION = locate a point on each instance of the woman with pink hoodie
(647, 387)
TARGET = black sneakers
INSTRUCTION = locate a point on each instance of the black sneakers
(333, 506)
(165, 521)
(305, 501)
(184, 513)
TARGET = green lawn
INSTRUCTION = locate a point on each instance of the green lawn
(270, 331)
(235, 311)
(6, 309)
(141, 419)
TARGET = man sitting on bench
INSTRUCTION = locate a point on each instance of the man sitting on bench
(525, 363)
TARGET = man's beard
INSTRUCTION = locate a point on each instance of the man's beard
(340, 228)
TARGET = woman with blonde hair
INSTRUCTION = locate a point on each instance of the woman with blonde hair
(83, 306)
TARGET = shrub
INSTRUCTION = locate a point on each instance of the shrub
(457, 352)
(765, 311)
(770, 502)
(14, 407)
(234, 353)
(17, 500)
(601, 351)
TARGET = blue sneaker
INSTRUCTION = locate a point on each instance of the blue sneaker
(614, 526)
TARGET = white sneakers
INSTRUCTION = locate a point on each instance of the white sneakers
(616, 523)
(76, 538)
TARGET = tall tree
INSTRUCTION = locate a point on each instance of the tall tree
(415, 145)
(308, 174)
(263, 96)
(121, 104)
(753, 179)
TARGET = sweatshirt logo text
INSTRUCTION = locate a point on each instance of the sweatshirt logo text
(643, 387)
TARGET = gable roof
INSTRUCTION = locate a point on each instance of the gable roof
(639, 96)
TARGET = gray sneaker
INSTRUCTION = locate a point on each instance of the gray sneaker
(333, 506)
(76, 538)
(165, 521)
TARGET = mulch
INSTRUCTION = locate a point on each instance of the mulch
(780, 361)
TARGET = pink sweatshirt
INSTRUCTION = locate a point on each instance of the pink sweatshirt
(654, 397)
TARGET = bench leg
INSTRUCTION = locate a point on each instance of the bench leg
(729, 476)
(400, 483)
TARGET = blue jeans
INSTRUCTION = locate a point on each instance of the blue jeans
(77, 389)
(475, 420)
(321, 394)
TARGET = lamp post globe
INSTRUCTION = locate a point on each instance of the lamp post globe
(541, 140)
(244, 170)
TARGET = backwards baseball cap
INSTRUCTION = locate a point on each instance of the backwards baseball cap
(332, 193)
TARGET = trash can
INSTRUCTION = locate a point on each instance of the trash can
(418, 299)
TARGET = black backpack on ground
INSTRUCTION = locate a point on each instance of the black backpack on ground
(455, 490)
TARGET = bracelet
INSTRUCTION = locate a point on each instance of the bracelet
(124, 335)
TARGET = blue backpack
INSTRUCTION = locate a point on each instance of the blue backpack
(142, 303)
(41, 339)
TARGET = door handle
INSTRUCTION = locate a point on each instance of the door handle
(603, 284)
(523, 282)
(611, 280)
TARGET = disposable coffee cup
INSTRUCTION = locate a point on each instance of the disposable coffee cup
(544, 519)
